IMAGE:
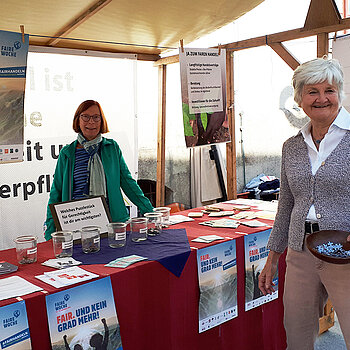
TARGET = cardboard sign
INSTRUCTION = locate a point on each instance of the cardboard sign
(73, 215)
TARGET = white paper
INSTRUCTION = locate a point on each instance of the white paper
(176, 219)
(66, 277)
(16, 286)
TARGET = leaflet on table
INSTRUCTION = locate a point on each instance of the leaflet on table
(176, 219)
(217, 276)
(14, 330)
(226, 223)
(256, 253)
(253, 223)
(125, 261)
(66, 277)
(207, 239)
(61, 263)
(84, 315)
(16, 286)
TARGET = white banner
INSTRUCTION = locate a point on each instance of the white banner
(56, 85)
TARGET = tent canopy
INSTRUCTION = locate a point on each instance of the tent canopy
(138, 26)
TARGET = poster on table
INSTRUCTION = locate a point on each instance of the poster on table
(14, 330)
(13, 66)
(203, 91)
(217, 276)
(256, 252)
(84, 317)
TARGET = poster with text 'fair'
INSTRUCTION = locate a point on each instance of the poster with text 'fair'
(13, 66)
(256, 252)
(217, 276)
(84, 318)
(14, 330)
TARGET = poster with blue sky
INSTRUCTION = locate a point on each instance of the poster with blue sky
(13, 66)
(14, 331)
(84, 318)
(256, 252)
(217, 276)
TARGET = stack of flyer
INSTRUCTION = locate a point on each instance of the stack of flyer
(125, 261)
(66, 277)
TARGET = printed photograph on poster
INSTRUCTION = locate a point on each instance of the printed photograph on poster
(13, 65)
(203, 91)
(217, 276)
(256, 253)
(84, 317)
(14, 330)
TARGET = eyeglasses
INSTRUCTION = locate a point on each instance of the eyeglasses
(86, 118)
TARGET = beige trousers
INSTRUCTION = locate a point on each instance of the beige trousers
(309, 281)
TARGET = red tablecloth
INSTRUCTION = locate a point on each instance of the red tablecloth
(158, 311)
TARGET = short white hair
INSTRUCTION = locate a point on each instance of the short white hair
(317, 71)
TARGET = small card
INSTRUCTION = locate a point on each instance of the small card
(195, 214)
(223, 223)
(221, 213)
(176, 219)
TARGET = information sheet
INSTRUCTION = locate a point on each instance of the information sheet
(203, 86)
(14, 330)
(217, 276)
(84, 315)
(256, 252)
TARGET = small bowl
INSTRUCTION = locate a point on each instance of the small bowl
(321, 237)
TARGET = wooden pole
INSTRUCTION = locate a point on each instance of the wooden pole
(160, 188)
(322, 44)
(230, 146)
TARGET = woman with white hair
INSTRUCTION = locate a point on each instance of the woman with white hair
(314, 195)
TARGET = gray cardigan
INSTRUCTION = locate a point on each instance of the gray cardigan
(328, 190)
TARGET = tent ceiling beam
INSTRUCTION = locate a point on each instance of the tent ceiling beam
(285, 54)
(76, 22)
(271, 39)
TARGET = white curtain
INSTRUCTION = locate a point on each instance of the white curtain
(205, 186)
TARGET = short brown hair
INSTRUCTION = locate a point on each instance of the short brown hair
(83, 107)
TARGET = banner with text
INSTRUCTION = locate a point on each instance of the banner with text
(84, 315)
(14, 330)
(217, 276)
(55, 86)
(203, 86)
(256, 252)
(13, 67)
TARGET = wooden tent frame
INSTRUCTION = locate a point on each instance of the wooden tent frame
(322, 19)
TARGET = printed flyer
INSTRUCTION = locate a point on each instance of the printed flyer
(13, 66)
(84, 318)
(217, 276)
(203, 87)
(14, 331)
(256, 253)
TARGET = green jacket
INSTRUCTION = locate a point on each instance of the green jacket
(117, 177)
